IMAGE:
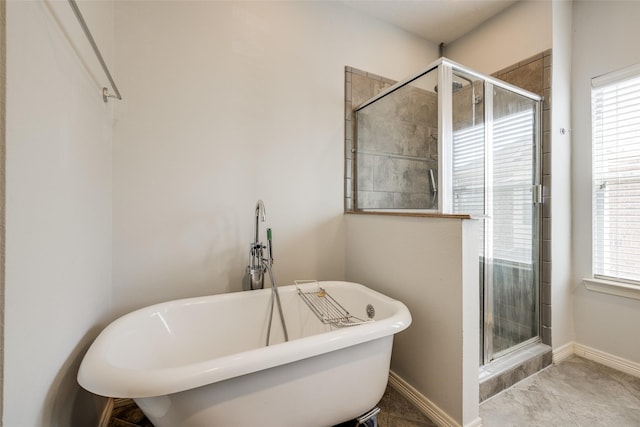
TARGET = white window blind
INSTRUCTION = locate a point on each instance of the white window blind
(511, 174)
(467, 172)
(513, 178)
(615, 110)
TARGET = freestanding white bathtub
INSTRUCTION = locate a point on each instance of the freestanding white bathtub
(203, 362)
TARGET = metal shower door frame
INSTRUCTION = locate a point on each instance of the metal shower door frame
(487, 352)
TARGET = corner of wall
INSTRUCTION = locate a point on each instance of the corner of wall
(57, 202)
(560, 140)
(519, 31)
(3, 80)
(470, 313)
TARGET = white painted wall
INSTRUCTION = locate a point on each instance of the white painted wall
(604, 40)
(58, 213)
(226, 103)
(562, 331)
(521, 31)
(430, 264)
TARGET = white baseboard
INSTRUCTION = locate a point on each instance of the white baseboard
(615, 362)
(563, 352)
(475, 423)
(426, 406)
(598, 356)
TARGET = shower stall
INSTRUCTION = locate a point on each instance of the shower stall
(449, 140)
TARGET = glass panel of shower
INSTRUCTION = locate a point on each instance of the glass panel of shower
(468, 154)
(396, 159)
(472, 148)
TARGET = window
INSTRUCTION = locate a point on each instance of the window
(615, 110)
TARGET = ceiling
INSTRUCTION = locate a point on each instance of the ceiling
(439, 21)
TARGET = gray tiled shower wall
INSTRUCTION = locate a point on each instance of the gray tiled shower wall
(515, 309)
(359, 86)
(397, 144)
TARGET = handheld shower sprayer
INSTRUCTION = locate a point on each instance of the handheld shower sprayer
(270, 246)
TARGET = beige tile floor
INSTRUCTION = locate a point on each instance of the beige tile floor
(574, 393)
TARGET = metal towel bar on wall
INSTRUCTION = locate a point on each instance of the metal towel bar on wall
(105, 91)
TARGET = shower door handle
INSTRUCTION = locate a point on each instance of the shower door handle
(536, 194)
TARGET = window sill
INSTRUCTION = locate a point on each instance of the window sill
(613, 288)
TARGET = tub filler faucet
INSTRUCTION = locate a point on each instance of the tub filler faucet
(255, 269)
(259, 265)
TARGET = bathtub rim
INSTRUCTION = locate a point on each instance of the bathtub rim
(97, 375)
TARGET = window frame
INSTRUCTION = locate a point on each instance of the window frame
(619, 286)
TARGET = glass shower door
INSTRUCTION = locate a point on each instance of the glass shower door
(511, 256)
(495, 163)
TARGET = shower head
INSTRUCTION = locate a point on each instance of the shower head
(455, 86)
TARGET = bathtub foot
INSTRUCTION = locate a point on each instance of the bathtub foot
(370, 419)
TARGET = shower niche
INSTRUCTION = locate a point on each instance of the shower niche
(449, 140)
